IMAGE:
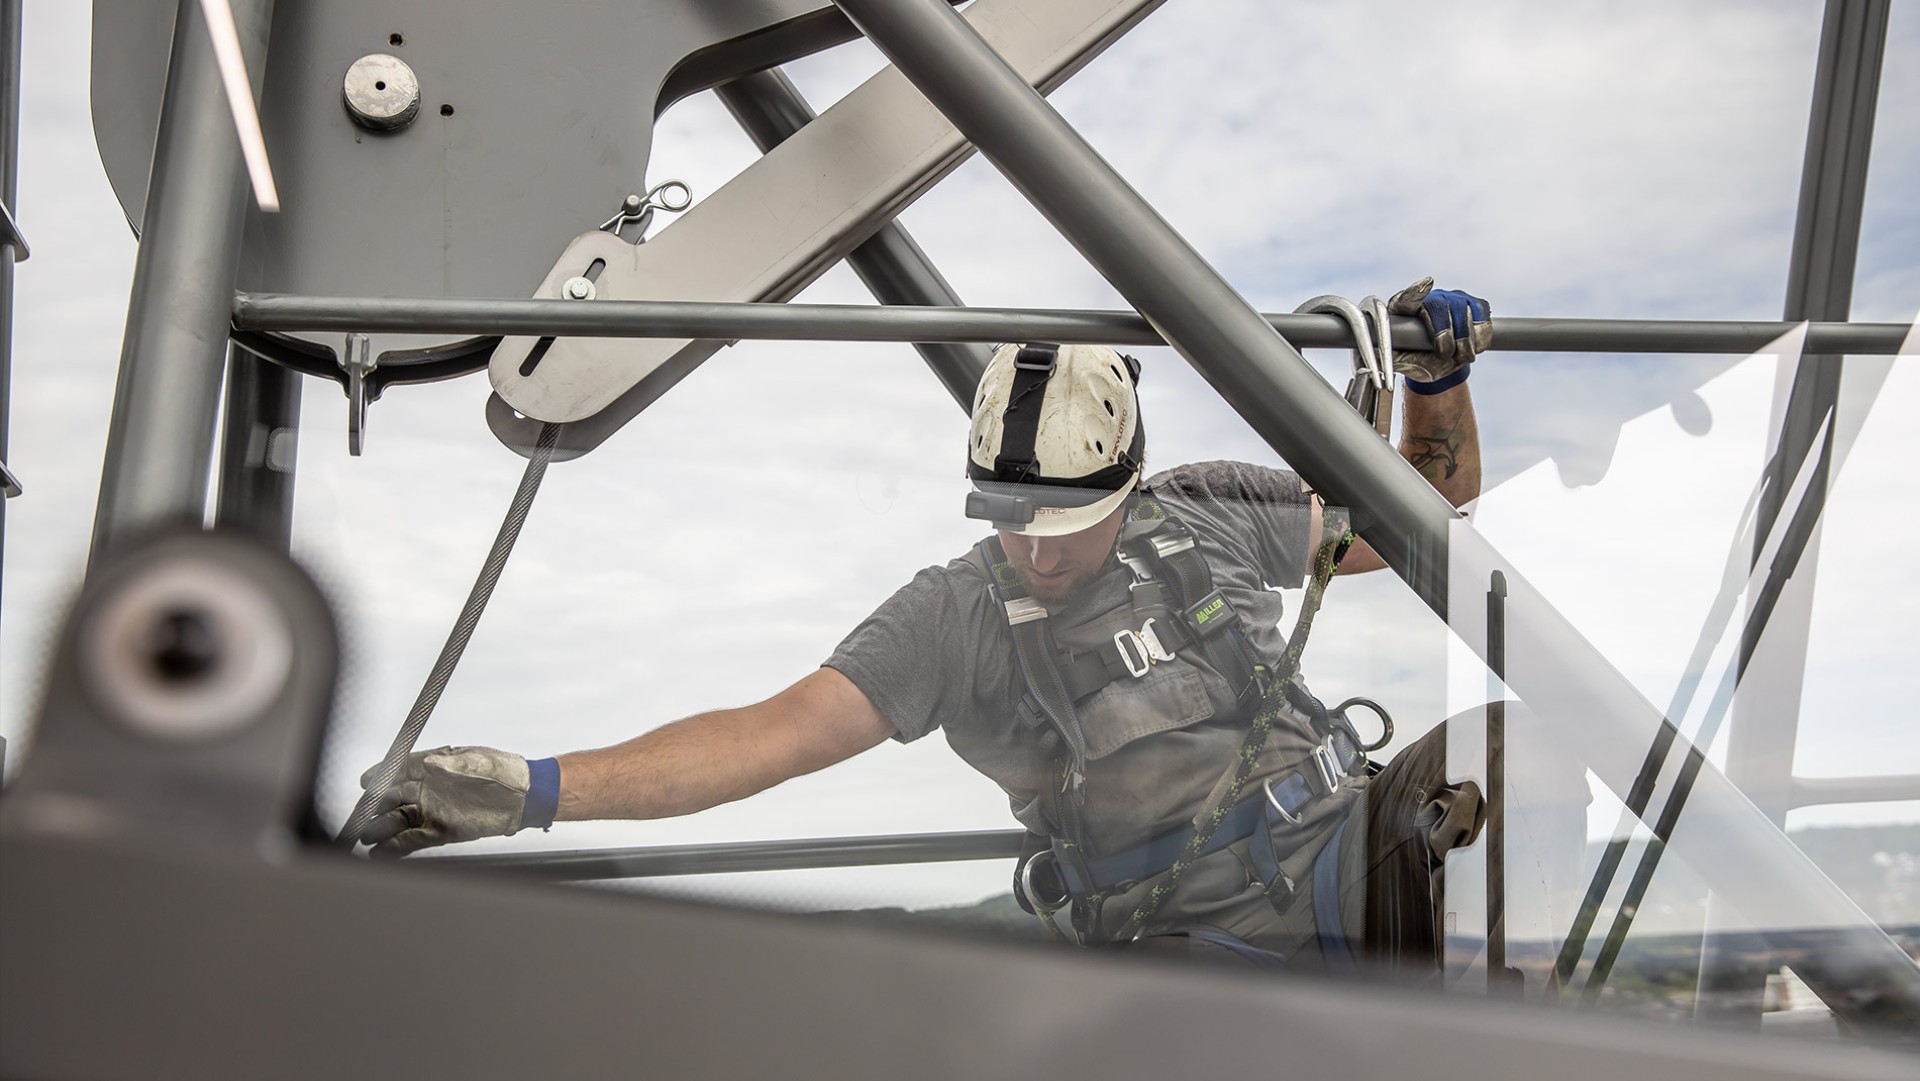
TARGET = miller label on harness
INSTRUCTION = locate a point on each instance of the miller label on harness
(1124, 814)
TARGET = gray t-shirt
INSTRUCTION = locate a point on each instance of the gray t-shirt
(937, 654)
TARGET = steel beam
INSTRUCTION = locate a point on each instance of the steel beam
(1265, 379)
(894, 269)
(1826, 244)
(803, 854)
(1826, 791)
(907, 323)
(160, 436)
(259, 439)
(13, 253)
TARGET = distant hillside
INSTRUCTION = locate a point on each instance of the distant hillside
(1878, 866)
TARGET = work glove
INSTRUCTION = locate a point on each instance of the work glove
(445, 795)
(1461, 325)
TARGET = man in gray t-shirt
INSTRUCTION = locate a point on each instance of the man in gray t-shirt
(1106, 657)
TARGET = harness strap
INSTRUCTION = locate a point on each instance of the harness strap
(1235, 945)
(1282, 800)
(1325, 562)
(1033, 367)
(1034, 650)
(1326, 906)
(1161, 551)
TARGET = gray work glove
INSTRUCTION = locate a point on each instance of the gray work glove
(445, 795)
(1461, 325)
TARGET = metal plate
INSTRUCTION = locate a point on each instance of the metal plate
(535, 121)
(777, 226)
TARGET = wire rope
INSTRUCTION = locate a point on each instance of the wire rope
(403, 741)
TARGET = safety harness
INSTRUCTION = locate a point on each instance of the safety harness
(1181, 611)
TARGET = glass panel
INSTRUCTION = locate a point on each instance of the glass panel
(1566, 162)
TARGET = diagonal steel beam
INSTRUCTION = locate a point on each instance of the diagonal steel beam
(160, 434)
(770, 109)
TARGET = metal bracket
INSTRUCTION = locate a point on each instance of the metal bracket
(10, 235)
(829, 186)
(9, 484)
(359, 363)
(672, 196)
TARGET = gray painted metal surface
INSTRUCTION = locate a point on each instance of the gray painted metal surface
(1563, 679)
(9, 175)
(774, 228)
(891, 264)
(1826, 243)
(161, 921)
(160, 436)
(487, 186)
(259, 441)
(866, 323)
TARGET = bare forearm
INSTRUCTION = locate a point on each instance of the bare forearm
(719, 757)
(687, 766)
(1441, 440)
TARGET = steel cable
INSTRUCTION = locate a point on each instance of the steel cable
(416, 722)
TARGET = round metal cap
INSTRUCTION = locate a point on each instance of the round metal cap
(190, 650)
(383, 94)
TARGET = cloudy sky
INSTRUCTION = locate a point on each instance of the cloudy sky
(1575, 159)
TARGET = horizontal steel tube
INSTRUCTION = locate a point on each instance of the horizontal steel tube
(901, 323)
(1824, 791)
(795, 855)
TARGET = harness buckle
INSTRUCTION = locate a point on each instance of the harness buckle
(1171, 542)
(1140, 650)
(1150, 637)
(1133, 652)
(1327, 764)
(1024, 610)
(1142, 569)
(1036, 358)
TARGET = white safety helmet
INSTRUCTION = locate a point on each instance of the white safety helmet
(1056, 443)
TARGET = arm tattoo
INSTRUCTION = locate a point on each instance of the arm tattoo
(1436, 453)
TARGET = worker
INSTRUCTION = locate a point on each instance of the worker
(1112, 656)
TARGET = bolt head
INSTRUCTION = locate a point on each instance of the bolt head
(382, 92)
(578, 289)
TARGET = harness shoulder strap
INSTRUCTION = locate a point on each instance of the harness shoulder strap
(1047, 694)
(1169, 570)
(1339, 537)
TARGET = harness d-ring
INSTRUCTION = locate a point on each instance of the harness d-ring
(1273, 799)
(1378, 710)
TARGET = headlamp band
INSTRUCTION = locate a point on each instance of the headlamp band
(1020, 424)
(1033, 366)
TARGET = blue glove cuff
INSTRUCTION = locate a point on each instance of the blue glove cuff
(543, 793)
(1444, 383)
